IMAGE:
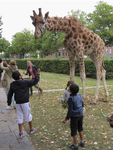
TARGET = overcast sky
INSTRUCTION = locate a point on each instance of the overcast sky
(16, 14)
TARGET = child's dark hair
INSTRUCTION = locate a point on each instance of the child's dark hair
(15, 75)
(68, 83)
(74, 88)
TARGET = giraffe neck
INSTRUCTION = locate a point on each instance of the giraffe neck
(62, 24)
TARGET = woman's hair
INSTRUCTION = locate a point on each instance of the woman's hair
(29, 62)
(12, 63)
(69, 83)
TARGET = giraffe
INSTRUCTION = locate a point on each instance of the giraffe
(78, 41)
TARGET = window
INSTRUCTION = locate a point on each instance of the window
(106, 50)
(110, 50)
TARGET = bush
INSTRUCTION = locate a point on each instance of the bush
(61, 66)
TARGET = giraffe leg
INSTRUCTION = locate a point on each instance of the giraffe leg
(72, 65)
(100, 74)
(82, 73)
(96, 93)
(83, 86)
(104, 85)
(91, 56)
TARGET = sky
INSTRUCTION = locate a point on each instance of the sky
(16, 13)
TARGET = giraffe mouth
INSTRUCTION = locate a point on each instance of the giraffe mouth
(42, 31)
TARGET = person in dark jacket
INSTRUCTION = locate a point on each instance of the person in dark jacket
(0, 70)
(20, 88)
(31, 69)
(75, 113)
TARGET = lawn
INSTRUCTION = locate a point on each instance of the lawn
(47, 114)
(59, 81)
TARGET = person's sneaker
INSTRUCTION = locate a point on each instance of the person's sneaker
(82, 144)
(73, 147)
(14, 107)
(9, 107)
(33, 130)
(20, 135)
(40, 90)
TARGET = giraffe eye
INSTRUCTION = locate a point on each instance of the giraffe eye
(42, 22)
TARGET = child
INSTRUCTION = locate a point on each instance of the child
(66, 93)
(0, 70)
(75, 113)
(110, 121)
(20, 88)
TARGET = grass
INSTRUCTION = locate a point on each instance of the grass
(59, 81)
(47, 114)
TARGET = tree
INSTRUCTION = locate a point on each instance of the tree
(4, 46)
(50, 43)
(1, 28)
(80, 15)
(21, 42)
(101, 21)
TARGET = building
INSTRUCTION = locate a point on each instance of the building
(109, 51)
(63, 53)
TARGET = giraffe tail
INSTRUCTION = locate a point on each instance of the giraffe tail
(103, 64)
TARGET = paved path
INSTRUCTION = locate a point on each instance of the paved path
(9, 129)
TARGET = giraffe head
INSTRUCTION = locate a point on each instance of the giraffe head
(39, 22)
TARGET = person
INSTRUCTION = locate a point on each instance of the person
(75, 113)
(66, 93)
(20, 88)
(0, 71)
(0, 77)
(7, 79)
(30, 70)
(110, 121)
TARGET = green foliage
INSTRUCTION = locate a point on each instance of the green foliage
(61, 66)
(101, 21)
(50, 42)
(64, 103)
(80, 15)
(21, 42)
(4, 47)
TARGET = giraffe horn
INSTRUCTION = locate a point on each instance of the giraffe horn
(40, 12)
(34, 13)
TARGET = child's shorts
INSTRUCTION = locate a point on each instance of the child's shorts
(23, 110)
(76, 123)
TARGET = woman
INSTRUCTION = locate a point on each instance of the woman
(7, 78)
(32, 70)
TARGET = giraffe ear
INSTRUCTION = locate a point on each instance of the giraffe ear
(46, 15)
(32, 18)
(40, 12)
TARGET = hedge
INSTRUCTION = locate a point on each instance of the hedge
(61, 66)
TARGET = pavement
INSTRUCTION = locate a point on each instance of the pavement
(9, 129)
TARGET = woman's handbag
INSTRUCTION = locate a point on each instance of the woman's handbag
(1, 70)
(4, 82)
